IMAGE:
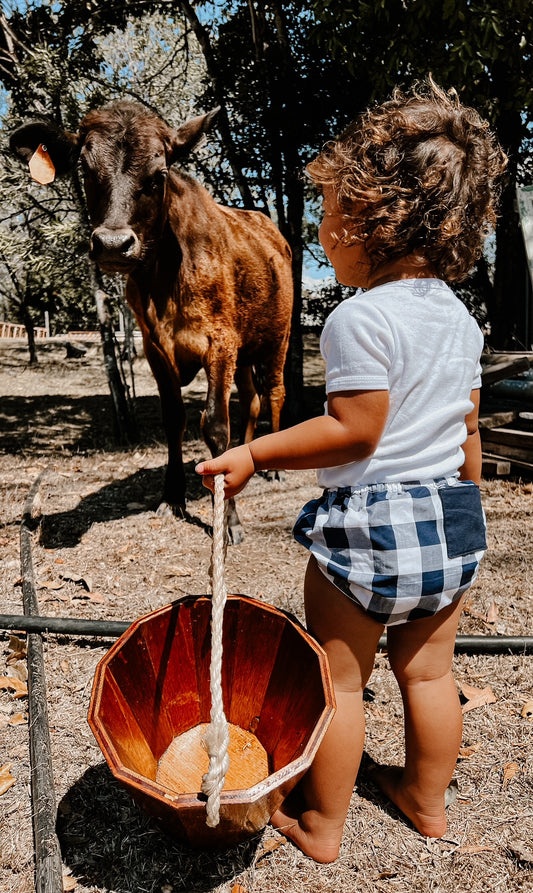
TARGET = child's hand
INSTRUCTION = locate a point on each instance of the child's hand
(236, 465)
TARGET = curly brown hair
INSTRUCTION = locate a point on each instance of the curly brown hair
(418, 174)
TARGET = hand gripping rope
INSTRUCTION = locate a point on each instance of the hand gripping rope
(217, 735)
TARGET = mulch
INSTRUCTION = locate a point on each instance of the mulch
(100, 550)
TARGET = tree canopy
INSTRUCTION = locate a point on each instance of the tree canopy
(288, 76)
(484, 50)
(150, 59)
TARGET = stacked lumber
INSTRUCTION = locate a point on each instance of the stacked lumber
(499, 366)
(507, 429)
(513, 445)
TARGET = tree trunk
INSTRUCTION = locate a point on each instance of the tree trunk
(202, 37)
(30, 331)
(507, 311)
(128, 352)
(124, 423)
(279, 71)
(294, 410)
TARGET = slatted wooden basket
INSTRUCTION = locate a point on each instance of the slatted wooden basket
(150, 708)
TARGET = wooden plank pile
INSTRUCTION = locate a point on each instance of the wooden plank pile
(506, 418)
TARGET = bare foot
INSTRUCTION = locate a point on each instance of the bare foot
(309, 831)
(427, 816)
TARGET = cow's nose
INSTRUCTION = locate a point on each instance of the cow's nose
(117, 243)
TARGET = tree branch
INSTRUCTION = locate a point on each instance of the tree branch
(202, 37)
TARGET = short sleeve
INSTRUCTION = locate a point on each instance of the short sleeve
(357, 345)
(476, 384)
(478, 340)
(478, 335)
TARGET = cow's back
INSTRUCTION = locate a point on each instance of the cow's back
(263, 269)
(235, 268)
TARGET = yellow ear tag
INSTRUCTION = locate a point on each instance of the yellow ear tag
(42, 167)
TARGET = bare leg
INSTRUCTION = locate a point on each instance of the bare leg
(421, 655)
(350, 638)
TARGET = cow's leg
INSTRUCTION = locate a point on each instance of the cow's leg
(173, 417)
(276, 398)
(215, 425)
(275, 392)
(250, 402)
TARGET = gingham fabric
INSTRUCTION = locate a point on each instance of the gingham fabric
(388, 547)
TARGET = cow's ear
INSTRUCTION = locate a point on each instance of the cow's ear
(189, 135)
(61, 146)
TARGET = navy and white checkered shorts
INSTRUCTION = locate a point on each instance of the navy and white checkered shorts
(400, 551)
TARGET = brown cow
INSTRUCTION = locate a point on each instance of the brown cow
(210, 286)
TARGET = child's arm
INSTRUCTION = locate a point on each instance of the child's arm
(471, 468)
(350, 432)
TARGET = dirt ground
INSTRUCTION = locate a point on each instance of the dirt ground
(98, 525)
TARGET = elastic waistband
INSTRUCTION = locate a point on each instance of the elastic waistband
(396, 486)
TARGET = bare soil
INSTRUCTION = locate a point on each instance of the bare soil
(98, 523)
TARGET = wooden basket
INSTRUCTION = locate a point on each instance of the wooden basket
(150, 707)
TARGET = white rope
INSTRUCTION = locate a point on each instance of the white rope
(217, 736)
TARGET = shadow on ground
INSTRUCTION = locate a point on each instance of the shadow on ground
(139, 492)
(46, 424)
(108, 842)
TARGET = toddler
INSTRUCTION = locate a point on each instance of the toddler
(409, 193)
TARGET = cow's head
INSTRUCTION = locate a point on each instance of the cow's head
(125, 152)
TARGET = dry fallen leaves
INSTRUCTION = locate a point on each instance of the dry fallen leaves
(177, 571)
(97, 597)
(269, 846)
(16, 649)
(6, 779)
(522, 851)
(11, 683)
(527, 710)
(509, 772)
(93, 596)
(468, 751)
(72, 577)
(492, 613)
(69, 883)
(451, 793)
(18, 669)
(490, 617)
(238, 888)
(476, 697)
(56, 597)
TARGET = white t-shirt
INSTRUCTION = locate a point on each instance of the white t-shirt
(415, 339)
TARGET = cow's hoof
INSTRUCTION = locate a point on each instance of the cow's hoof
(273, 474)
(235, 534)
(166, 510)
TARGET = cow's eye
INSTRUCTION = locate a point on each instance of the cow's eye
(156, 182)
